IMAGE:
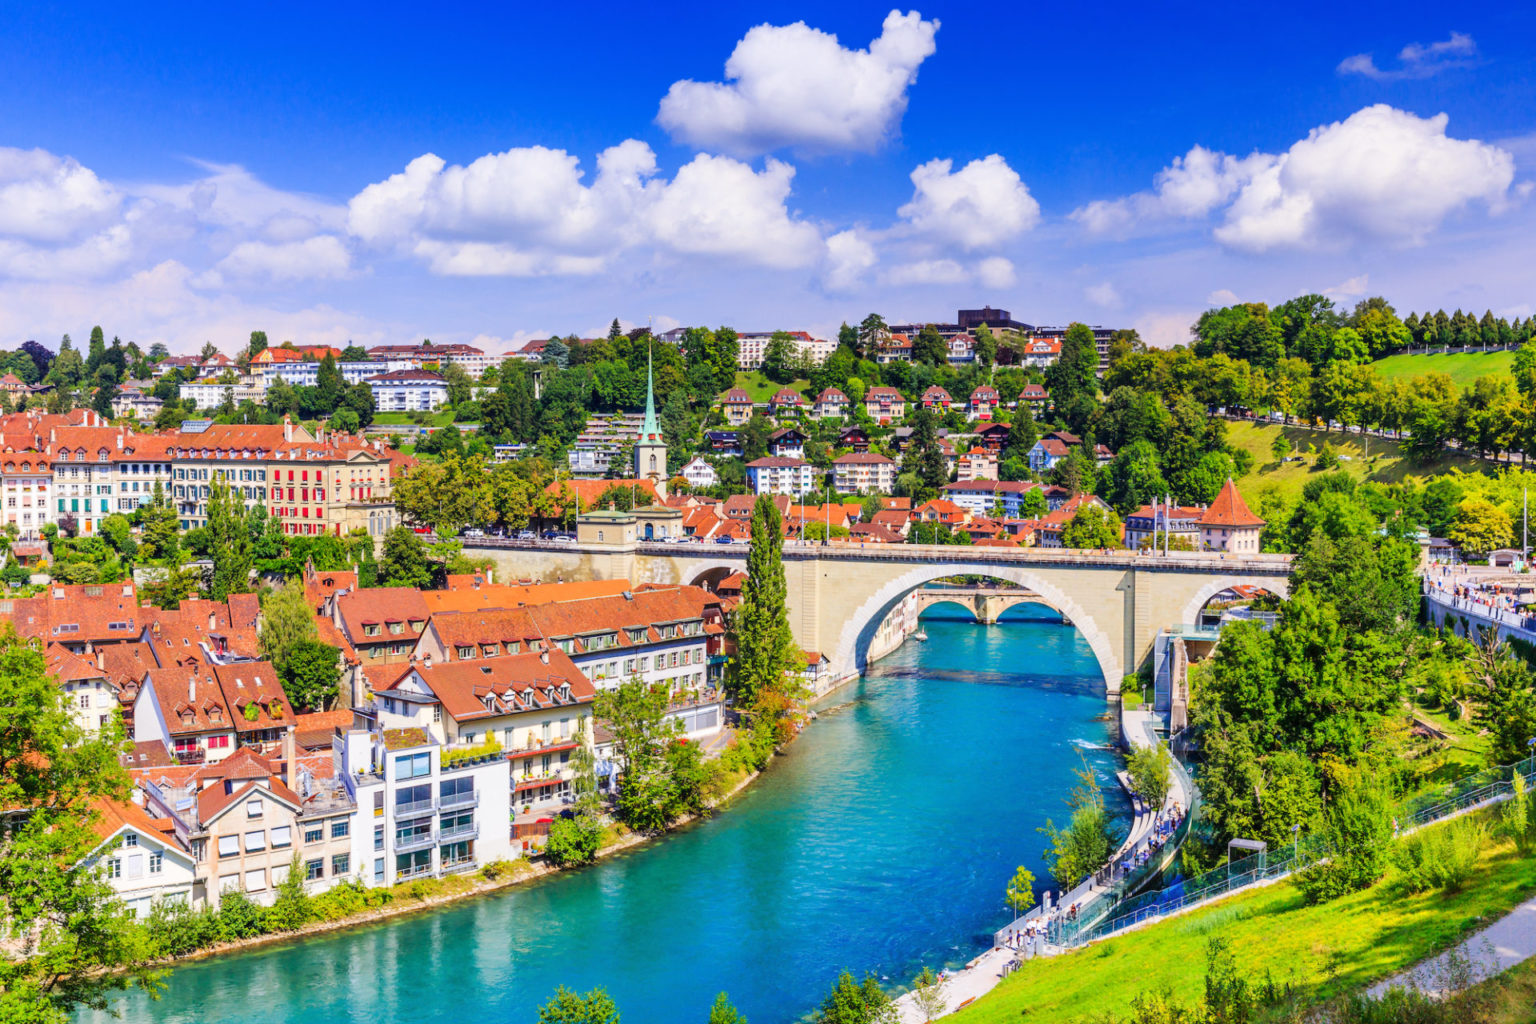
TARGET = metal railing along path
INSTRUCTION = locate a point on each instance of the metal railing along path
(1479, 789)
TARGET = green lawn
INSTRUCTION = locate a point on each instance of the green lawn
(441, 418)
(761, 388)
(1364, 937)
(1369, 458)
(1464, 369)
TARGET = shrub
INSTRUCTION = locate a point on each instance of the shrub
(291, 909)
(175, 929)
(1359, 834)
(573, 841)
(1517, 818)
(239, 916)
(1440, 858)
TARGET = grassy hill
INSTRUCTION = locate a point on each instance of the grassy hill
(1365, 458)
(1463, 368)
(761, 388)
(1367, 936)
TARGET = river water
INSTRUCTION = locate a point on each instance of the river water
(881, 842)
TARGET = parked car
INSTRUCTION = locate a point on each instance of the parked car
(725, 540)
(565, 538)
(474, 533)
(526, 535)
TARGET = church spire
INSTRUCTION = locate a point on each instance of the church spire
(649, 430)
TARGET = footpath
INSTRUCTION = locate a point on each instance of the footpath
(981, 975)
(1495, 949)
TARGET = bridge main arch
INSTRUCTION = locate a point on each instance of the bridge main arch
(859, 628)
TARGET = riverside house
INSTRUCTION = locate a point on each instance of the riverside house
(532, 707)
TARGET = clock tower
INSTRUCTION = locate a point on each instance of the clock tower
(650, 447)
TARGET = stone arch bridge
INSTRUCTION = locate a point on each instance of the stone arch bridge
(986, 603)
(840, 593)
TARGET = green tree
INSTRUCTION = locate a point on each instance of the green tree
(567, 1007)
(330, 386)
(1085, 844)
(986, 345)
(160, 534)
(871, 330)
(229, 544)
(1020, 894)
(765, 645)
(1480, 526)
(69, 942)
(1072, 376)
(636, 714)
(928, 347)
(856, 1002)
(404, 562)
(1092, 526)
(311, 675)
(924, 459)
(287, 621)
(928, 994)
(460, 386)
(1280, 447)
(576, 839)
(722, 1012)
(1150, 769)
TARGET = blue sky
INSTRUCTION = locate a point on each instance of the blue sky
(381, 173)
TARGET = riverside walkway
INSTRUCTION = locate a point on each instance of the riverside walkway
(1094, 898)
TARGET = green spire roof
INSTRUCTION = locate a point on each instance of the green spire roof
(649, 430)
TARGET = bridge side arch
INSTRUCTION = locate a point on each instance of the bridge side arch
(1279, 585)
(852, 651)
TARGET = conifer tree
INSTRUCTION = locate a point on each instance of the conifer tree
(766, 654)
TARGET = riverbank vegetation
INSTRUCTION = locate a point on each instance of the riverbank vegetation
(1318, 951)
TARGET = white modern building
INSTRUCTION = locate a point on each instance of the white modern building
(307, 374)
(418, 814)
(752, 347)
(778, 475)
(408, 391)
(864, 473)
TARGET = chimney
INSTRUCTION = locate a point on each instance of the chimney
(287, 428)
(191, 689)
(101, 660)
(289, 755)
(213, 622)
(544, 655)
(427, 661)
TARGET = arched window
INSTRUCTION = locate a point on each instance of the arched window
(653, 463)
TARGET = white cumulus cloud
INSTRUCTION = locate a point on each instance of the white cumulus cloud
(796, 86)
(849, 255)
(982, 205)
(1192, 186)
(1104, 294)
(527, 212)
(1382, 175)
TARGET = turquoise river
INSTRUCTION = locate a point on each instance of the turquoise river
(882, 841)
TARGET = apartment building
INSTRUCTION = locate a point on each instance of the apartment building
(408, 391)
(778, 475)
(864, 473)
(737, 407)
(205, 713)
(977, 464)
(830, 404)
(884, 404)
(210, 394)
(245, 820)
(475, 361)
(421, 810)
(658, 634)
(26, 480)
(307, 373)
(752, 347)
(983, 497)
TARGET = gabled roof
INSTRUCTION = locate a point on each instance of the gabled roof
(520, 682)
(380, 606)
(736, 396)
(831, 395)
(588, 491)
(1229, 509)
(863, 459)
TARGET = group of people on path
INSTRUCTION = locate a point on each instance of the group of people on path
(1493, 598)
(1163, 827)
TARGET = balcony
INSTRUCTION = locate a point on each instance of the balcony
(453, 800)
(415, 808)
(459, 864)
(470, 831)
(414, 841)
(422, 871)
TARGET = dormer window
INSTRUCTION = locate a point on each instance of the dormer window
(417, 625)
(371, 629)
(466, 653)
(490, 650)
(396, 628)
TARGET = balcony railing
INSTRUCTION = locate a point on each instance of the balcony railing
(451, 800)
(470, 831)
(415, 808)
(413, 841)
(459, 864)
(421, 871)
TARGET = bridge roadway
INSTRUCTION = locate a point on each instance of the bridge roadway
(838, 594)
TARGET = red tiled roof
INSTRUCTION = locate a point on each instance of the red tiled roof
(1229, 509)
(588, 491)
(462, 686)
(863, 459)
(380, 606)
